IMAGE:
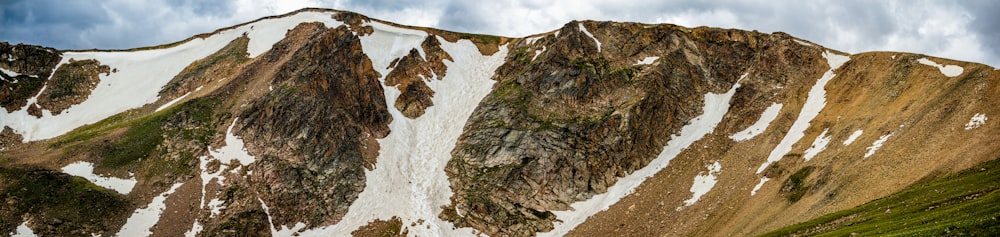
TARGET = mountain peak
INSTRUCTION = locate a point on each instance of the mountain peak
(323, 122)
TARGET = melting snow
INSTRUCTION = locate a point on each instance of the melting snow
(876, 145)
(22, 231)
(86, 170)
(716, 106)
(584, 30)
(703, 183)
(168, 104)
(234, 149)
(947, 70)
(143, 219)
(802, 42)
(409, 181)
(647, 60)
(813, 105)
(854, 136)
(538, 52)
(818, 145)
(976, 121)
(9, 72)
(760, 126)
(285, 230)
(759, 185)
(141, 75)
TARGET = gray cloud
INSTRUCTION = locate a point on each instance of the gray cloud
(964, 30)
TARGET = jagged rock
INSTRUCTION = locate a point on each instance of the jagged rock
(310, 131)
(33, 63)
(71, 84)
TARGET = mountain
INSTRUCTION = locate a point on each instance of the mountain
(329, 123)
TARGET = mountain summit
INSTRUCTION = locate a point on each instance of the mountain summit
(329, 123)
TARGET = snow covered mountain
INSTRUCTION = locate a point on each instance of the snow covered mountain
(328, 123)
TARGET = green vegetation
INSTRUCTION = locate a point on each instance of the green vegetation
(67, 77)
(796, 186)
(48, 195)
(965, 203)
(23, 89)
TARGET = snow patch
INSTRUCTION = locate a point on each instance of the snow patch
(538, 52)
(803, 42)
(9, 72)
(703, 183)
(818, 145)
(947, 70)
(759, 185)
(23, 231)
(233, 150)
(145, 218)
(760, 126)
(647, 61)
(976, 121)
(815, 102)
(584, 30)
(854, 136)
(531, 40)
(876, 145)
(285, 230)
(715, 107)
(168, 104)
(86, 170)
(409, 181)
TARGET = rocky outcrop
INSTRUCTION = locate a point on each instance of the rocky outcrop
(71, 84)
(33, 64)
(312, 131)
(564, 126)
(58, 204)
(409, 73)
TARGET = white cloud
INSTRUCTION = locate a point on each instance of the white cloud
(958, 30)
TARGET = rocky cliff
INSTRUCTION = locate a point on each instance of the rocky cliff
(322, 122)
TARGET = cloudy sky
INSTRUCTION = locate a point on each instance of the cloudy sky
(967, 30)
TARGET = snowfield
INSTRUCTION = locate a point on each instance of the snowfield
(760, 126)
(813, 105)
(141, 74)
(86, 170)
(715, 107)
(409, 181)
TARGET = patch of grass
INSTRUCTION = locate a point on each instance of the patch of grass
(965, 203)
(48, 195)
(795, 187)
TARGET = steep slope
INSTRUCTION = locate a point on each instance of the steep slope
(328, 123)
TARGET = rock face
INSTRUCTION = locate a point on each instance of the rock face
(586, 131)
(314, 128)
(410, 72)
(565, 125)
(33, 65)
(71, 84)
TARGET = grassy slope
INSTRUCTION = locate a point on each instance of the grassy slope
(966, 203)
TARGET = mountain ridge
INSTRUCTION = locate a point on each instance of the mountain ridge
(493, 135)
